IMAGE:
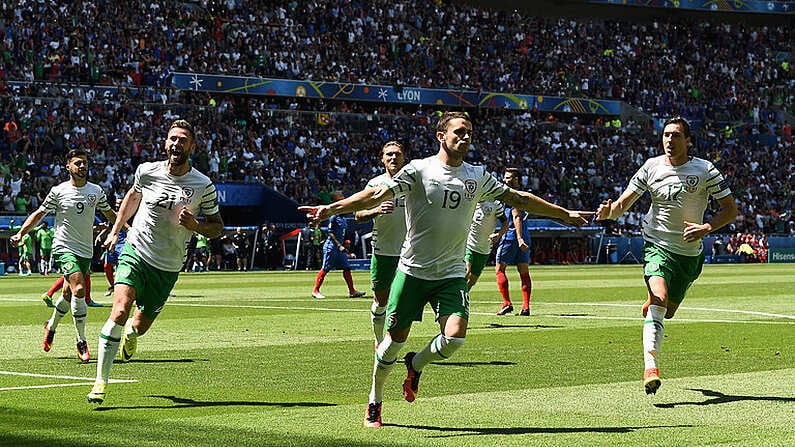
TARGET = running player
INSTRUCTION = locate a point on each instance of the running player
(167, 195)
(680, 186)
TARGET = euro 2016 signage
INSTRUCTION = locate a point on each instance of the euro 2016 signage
(437, 98)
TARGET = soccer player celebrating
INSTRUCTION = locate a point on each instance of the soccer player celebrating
(167, 196)
(441, 194)
(389, 231)
(514, 249)
(680, 187)
(74, 203)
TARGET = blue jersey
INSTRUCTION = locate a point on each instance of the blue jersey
(333, 258)
(511, 234)
(120, 242)
(508, 251)
(112, 256)
(337, 225)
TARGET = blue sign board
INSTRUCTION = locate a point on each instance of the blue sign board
(393, 95)
(762, 7)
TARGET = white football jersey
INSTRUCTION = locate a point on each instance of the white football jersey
(74, 208)
(678, 194)
(389, 230)
(155, 233)
(484, 222)
(440, 202)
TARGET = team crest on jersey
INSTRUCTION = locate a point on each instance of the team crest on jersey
(92, 198)
(691, 181)
(187, 192)
(67, 266)
(470, 186)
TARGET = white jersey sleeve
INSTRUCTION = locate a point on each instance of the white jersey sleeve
(389, 230)
(678, 194)
(440, 202)
(74, 209)
(484, 222)
(156, 234)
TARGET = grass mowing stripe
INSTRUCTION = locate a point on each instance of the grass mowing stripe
(282, 371)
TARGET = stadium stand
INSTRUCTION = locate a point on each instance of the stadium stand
(732, 78)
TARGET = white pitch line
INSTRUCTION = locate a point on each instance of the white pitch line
(51, 376)
(55, 385)
(584, 305)
(703, 309)
(83, 381)
(593, 317)
(680, 320)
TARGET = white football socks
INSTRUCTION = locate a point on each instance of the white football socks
(378, 317)
(652, 335)
(109, 340)
(79, 316)
(385, 357)
(440, 348)
(61, 308)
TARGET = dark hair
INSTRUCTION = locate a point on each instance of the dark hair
(679, 120)
(75, 153)
(441, 125)
(392, 143)
(183, 124)
(514, 171)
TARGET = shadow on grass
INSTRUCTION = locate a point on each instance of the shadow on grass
(180, 402)
(531, 326)
(486, 431)
(471, 364)
(719, 398)
(115, 361)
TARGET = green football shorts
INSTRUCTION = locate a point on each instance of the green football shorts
(477, 261)
(409, 295)
(679, 271)
(68, 263)
(151, 285)
(382, 271)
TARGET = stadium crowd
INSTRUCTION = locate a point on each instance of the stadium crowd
(709, 71)
(575, 164)
(696, 68)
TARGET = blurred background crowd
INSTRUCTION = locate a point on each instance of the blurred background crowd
(727, 77)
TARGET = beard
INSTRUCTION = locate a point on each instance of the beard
(178, 159)
(78, 175)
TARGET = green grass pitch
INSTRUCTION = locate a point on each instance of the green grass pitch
(250, 359)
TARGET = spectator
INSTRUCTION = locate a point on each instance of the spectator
(240, 243)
